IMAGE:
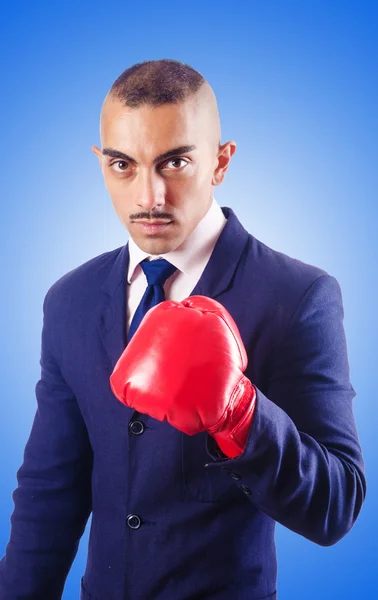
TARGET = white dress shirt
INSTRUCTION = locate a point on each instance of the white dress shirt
(190, 259)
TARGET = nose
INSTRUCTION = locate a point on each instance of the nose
(150, 190)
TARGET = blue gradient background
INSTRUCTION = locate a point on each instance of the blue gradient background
(297, 87)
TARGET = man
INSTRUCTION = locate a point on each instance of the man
(177, 512)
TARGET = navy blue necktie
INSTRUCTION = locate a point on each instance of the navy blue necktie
(157, 272)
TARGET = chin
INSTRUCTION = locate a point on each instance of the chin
(156, 246)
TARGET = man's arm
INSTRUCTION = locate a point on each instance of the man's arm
(302, 464)
(52, 502)
(299, 459)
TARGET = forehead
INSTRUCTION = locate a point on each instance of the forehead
(154, 127)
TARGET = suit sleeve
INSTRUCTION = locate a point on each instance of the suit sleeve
(303, 464)
(52, 501)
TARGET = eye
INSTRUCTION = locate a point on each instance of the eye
(174, 161)
(122, 166)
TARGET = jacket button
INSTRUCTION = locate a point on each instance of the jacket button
(245, 489)
(136, 427)
(134, 521)
(234, 475)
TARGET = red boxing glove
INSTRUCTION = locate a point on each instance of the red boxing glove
(185, 365)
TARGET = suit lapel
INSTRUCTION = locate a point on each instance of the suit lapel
(220, 269)
(112, 323)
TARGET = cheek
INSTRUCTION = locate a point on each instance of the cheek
(120, 201)
(186, 188)
(110, 181)
(202, 179)
(116, 191)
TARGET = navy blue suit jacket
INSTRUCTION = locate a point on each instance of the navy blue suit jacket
(171, 518)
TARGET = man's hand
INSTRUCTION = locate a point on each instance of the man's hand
(185, 365)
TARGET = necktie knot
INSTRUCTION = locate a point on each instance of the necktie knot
(157, 271)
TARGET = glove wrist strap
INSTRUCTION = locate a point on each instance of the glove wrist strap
(232, 436)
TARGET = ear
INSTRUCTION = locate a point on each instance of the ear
(98, 153)
(224, 158)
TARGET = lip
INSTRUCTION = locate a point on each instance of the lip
(152, 226)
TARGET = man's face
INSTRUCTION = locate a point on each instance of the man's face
(159, 165)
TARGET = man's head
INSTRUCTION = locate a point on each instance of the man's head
(161, 152)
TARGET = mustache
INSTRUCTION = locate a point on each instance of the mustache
(154, 216)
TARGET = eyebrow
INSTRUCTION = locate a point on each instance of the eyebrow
(117, 154)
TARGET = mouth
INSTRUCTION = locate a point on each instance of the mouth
(152, 227)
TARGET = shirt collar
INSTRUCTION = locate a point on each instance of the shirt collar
(193, 254)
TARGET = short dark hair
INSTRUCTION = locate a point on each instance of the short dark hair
(156, 82)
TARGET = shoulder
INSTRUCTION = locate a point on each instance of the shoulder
(83, 280)
(284, 286)
(279, 271)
